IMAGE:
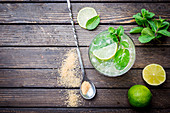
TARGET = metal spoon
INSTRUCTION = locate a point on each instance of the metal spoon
(92, 91)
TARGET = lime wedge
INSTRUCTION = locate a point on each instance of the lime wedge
(84, 15)
(107, 52)
(154, 74)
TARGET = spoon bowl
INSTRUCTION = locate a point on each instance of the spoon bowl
(91, 92)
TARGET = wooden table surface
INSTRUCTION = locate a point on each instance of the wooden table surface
(34, 35)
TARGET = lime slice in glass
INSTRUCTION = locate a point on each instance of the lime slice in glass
(107, 52)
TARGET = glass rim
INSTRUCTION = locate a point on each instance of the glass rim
(107, 75)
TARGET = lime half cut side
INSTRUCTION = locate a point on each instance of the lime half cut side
(107, 52)
(84, 15)
(154, 74)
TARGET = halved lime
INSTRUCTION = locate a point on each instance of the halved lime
(107, 52)
(84, 15)
(154, 74)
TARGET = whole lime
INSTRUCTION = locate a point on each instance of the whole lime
(139, 96)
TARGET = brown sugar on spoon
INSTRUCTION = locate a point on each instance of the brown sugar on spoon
(85, 87)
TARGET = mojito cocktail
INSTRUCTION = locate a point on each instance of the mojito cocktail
(109, 57)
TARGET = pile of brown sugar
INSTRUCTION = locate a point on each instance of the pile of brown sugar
(70, 72)
(72, 99)
(70, 77)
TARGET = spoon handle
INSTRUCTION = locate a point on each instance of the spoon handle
(76, 39)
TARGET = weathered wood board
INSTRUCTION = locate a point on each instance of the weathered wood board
(115, 13)
(51, 57)
(60, 35)
(48, 78)
(56, 97)
(83, 110)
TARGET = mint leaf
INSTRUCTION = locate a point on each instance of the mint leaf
(152, 25)
(138, 18)
(93, 22)
(121, 58)
(162, 20)
(111, 30)
(157, 23)
(165, 25)
(113, 36)
(138, 14)
(144, 12)
(164, 32)
(146, 23)
(145, 38)
(136, 30)
(147, 31)
(150, 15)
(147, 14)
(125, 44)
(120, 31)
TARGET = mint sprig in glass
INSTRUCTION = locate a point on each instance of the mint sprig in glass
(121, 57)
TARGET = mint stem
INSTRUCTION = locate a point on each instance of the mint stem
(156, 32)
(118, 40)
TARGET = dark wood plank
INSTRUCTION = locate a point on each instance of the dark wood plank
(48, 78)
(58, 13)
(123, 12)
(36, 35)
(56, 98)
(59, 35)
(50, 57)
(82, 110)
(34, 13)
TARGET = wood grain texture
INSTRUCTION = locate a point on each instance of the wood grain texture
(81, 110)
(58, 13)
(56, 98)
(48, 78)
(60, 35)
(51, 57)
(34, 13)
(36, 35)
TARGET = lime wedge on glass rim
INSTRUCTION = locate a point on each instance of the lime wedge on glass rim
(84, 15)
(106, 53)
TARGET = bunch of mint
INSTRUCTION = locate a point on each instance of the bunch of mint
(150, 28)
(122, 56)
